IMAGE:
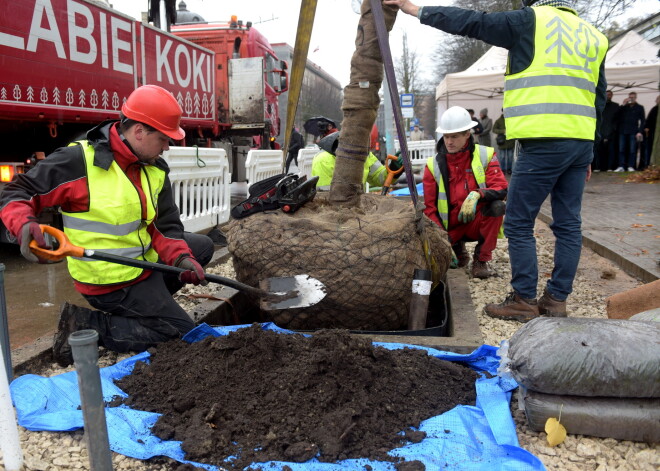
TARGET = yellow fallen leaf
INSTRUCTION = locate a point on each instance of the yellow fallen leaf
(556, 431)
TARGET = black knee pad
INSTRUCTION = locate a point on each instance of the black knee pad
(494, 209)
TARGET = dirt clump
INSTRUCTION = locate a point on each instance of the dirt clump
(257, 395)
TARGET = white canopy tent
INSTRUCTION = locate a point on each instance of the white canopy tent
(632, 64)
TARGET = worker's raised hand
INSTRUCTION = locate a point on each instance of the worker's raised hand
(405, 6)
(469, 207)
(29, 232)
(194, 273)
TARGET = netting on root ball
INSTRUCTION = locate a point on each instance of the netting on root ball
(365, 256)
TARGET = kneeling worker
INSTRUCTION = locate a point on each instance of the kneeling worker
(323, 165)
(115, 195)
(464, 189)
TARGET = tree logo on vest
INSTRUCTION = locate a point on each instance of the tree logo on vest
(582, 42)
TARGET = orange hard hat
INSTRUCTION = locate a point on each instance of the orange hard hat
(155, 106)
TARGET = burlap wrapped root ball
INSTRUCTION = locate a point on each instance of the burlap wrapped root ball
(365, 256)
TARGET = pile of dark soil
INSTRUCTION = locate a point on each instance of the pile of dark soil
(258, 396)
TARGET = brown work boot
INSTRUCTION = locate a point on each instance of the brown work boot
(461, 254)
(513, 308)
(551, 306)
(482, 270)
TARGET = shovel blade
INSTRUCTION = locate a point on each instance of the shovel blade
(290, 292)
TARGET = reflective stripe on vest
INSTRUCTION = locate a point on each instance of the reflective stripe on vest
(555, 96)
(481, 157)
(113, 222)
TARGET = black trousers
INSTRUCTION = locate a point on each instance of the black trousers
(139, 316)
(291, 156)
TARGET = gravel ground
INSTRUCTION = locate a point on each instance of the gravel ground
(597, 279)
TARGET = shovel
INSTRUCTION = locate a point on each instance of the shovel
(274, 293)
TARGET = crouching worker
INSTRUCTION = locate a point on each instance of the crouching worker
(464, 190)
(115, 196)
(323, 165)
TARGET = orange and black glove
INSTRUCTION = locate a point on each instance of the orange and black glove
(194, 273)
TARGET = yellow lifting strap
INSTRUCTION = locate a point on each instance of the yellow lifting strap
(300, 50)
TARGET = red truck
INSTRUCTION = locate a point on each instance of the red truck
(249, 78)
(69, 64)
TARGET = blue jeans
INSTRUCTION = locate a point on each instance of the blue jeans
(627, 148)
(546, 167)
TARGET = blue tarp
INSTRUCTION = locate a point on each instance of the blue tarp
(481, 437)
(406, 191)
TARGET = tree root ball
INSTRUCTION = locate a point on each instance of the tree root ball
(365, 255)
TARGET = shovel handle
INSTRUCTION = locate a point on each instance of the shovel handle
(65, 249)
(390, 173)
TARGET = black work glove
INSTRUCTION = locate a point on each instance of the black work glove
(29, 232)
(194, 273)
(398, 163)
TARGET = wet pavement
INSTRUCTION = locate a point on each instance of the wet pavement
(621, 222)
(34, 294)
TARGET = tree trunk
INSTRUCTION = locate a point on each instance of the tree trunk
(360, 107)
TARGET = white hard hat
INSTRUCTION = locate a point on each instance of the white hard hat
(455, 119)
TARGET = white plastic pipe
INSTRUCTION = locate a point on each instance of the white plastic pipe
(10, 443)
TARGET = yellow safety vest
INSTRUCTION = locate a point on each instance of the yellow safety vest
(481, 157)
(555, 96)
(323, 166)
(113, 223)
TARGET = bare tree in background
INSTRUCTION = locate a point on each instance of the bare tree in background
(457, 53)
(410, 79)
(406, 68)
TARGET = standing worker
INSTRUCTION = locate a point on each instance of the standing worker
(553, 99)
(464, 191)
(115, 196)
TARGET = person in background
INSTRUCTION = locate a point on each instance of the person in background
(553, 100)
(487, 127)
(607, 147)
(478, 128)
(295, 145)
(464, 191)
(631, 124)
(649, 130)
(115, 195)
(416, 134)
(504, 146)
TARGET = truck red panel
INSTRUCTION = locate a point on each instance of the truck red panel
(74, 61)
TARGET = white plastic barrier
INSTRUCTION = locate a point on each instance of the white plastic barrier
(262, 164)
(305, 158)
(200, 182)
(419, 152)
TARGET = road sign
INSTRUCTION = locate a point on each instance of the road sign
(407, 112)
(407, 100)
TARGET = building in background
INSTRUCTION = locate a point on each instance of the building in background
(649, 29)
(321, 94)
